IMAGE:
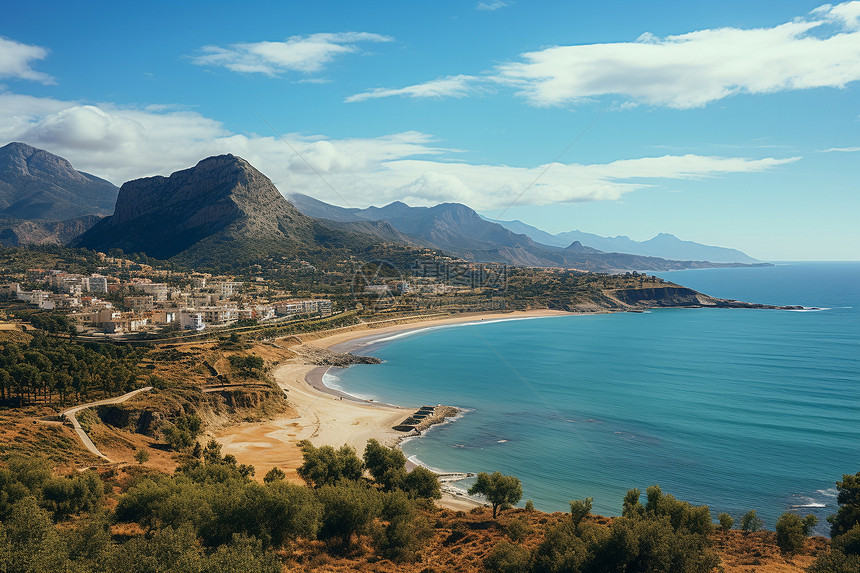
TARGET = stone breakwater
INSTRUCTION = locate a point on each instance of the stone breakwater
(425, 417)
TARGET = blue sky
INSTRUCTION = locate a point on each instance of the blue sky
(730, 123)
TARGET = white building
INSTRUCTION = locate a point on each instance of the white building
(191, 320)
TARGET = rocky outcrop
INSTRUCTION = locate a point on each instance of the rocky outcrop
(220, 200)
(678, 296)
(326, 357)
(35, 184)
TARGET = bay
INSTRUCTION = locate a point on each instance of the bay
(737, 409)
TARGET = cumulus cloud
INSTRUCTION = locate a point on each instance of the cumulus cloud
(684, 71)
(120, 143)
(16, 60)
(452, 86)
(305, 54)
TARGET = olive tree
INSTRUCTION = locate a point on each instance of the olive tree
(498, 489)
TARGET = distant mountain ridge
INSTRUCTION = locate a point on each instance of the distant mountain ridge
(459, 230)
(663, 245)
(35, 184)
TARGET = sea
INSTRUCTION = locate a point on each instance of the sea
(734, 408)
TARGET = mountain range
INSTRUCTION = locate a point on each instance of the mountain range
(663, 245)
(225, 211)
(457, 229)
(44, 199)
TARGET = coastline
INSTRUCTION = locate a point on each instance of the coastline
(327, 416)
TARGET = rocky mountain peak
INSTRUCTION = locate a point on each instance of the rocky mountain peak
(217, 186)
(19, 159)
(38, 185)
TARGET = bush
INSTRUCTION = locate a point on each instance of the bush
(790, 533)
(848, 499)
(579, 509)
(530, 506)
(327, 466)
(406, 530)
(751, 522)
(183, 432)
(274, 475)
(506, 557)
(726, 521)
(518, 529)
(348, 509)
(386, 465)
(422, 483)
(141, 456)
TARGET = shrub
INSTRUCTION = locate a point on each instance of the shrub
(141, 456)
(422, 483)
(274, 475)
(506, 557)
(579, 509)
(726, 521)
(751, 522)
(518, 529)
(348, 509)
(327, 466)
(790, 533)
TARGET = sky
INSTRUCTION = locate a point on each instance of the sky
(727, 123)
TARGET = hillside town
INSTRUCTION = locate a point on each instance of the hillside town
(147, 300)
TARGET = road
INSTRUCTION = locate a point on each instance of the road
(71, 416)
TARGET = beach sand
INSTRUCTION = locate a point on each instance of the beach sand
(329, 417)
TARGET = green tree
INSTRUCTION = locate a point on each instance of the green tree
(791, 531)
(242, 554)
(325, 465)
(498, 489)
(726, 521)
(751, 522)
(386, 465)
(349, 508)
(33, 544)
(580, 509)
(423, 483)
(274, 475)
(848, 498)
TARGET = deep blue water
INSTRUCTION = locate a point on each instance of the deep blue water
(737, 409)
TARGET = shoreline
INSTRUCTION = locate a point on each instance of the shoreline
(326, 416)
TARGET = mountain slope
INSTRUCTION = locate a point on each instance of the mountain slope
(16, 232)
(221, 211)
(459, 230)
(35, 184)
(663, 245)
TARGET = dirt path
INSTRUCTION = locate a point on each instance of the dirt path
(71, 416)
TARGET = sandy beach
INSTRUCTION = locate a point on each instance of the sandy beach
(329, 417)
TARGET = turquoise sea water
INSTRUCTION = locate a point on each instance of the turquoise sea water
(737, 409)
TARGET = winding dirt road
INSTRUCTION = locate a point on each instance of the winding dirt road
(71, 416)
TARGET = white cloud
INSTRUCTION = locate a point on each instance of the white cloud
(16, 60)
(840, 149)
(306, 54)
(452, 86)
(121, 143)
(492, 5)
(683, 71)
